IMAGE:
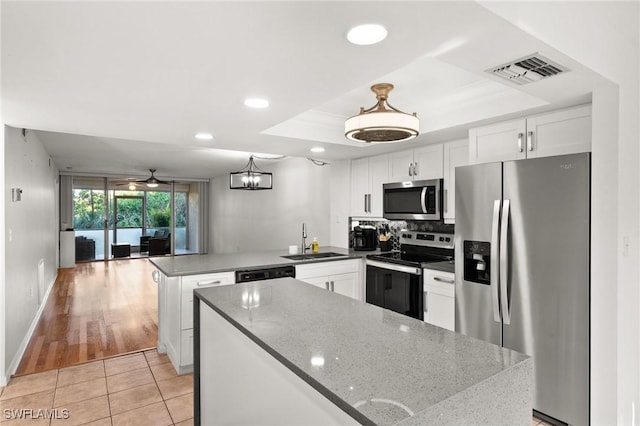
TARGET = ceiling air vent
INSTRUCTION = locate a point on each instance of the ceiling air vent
(528, 69)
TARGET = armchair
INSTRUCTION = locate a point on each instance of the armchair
(160, 246)
(160, 234)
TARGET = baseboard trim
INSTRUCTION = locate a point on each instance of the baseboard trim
(15, 363)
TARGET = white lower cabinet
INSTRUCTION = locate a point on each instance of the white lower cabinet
(342, 277)
(439, 299)
(175, 316)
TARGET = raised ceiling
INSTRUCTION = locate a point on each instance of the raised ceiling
(121, 87)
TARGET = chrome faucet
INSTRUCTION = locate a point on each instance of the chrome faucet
(304, 238)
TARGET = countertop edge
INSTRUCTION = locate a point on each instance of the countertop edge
(335, 399)
(349, 254)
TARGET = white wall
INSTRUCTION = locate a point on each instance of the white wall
(340, 203)
(31, 234)
(3, 311)
(599, 43)
(245, 221)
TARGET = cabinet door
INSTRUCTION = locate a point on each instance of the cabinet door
(558, 133)
(379, 175)
(322, 282)
(345, 284)
(192, 282)
(439, 299)
(455, 154)
(400, 163)
(439, 308)
(428, 162)
(497, 142)
(359, 186)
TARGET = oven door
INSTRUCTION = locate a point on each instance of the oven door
(395, 287)
(417, 200)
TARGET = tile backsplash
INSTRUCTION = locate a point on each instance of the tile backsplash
(395, 226)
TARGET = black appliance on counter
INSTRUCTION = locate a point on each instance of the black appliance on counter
(394, 279)
(365, 238)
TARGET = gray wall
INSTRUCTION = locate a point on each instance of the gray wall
(31, 235)
(244, 221)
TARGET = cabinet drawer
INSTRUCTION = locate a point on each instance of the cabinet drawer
(440, 282)
(327, 268)
(186, 347)
(189, 283)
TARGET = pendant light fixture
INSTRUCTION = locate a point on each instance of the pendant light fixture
(382, 122)
(250, 178)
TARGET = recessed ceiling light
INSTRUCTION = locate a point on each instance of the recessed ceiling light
(317, 149)
(204, 136)
(256, 103)
(364, 35)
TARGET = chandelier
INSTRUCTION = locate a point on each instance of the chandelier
(382, 122)
(250, 178)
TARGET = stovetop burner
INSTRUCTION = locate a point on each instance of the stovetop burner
(418, 248)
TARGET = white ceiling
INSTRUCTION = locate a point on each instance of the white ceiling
(121, 87)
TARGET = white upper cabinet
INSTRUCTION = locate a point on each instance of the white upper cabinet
(400, 166)
(367, 177)
(456, 154)
(417, 164)
(560, 132)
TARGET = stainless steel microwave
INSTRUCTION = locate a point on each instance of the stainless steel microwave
(413, 200)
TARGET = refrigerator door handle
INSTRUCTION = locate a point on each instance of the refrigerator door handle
(495, 253)
(504, 263)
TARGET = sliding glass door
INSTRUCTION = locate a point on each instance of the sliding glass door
(111, 211)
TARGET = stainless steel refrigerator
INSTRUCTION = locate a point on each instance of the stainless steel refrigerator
(522, 270)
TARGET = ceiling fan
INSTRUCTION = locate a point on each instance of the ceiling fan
(150, 182)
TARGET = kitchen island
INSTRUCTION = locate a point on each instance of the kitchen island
(286, 352)
(178, 276)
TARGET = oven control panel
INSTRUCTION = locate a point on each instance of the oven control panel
(429, 239)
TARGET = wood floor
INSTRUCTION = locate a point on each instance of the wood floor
(96, 310)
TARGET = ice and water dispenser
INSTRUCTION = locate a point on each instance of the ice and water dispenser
(477, 262)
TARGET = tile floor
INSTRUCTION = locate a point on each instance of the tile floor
(136, 389)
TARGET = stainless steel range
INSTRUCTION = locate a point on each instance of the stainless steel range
(394, 279)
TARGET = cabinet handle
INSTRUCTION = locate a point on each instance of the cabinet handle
(201, 283)
(530, 141)
(410, 169)
(332, 286)
(426, 302)
(443, 280)
(520, 136)
(365, 203)
(416, 171)
(326, 285)
(368, 203)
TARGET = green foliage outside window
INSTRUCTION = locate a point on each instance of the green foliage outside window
(88, 210)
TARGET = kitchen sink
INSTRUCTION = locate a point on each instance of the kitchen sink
(310, 256)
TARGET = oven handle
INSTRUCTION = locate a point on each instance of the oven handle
(394, 267)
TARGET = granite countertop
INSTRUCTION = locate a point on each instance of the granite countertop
(378, 366)
(173, 266)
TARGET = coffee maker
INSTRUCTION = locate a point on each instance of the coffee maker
(365, 238)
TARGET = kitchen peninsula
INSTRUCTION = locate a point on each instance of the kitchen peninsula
(178, 276)
(286, 352)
